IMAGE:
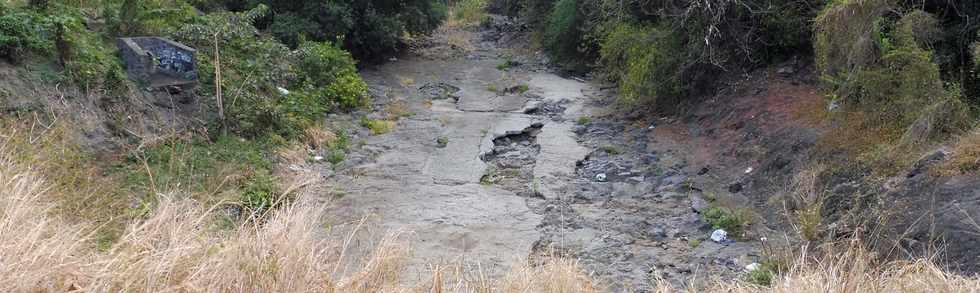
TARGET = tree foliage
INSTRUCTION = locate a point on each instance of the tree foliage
(368, 29)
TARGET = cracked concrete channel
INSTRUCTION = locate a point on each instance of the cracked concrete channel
(494, 166)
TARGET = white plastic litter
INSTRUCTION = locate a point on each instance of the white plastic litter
(752, 267)
(601, 177)
(283, 91)
(748, 170)
(719, 236)
(318, 158)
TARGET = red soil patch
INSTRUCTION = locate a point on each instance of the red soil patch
(730, 126)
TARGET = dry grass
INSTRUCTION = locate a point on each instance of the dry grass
(851, 269)
(397, 110)
(318, 137)
(180, 247)
(459, 40)
(38, 253)
(293, 154)
(965, 157)
(466, 13)
(406, 82)
(555, 276)
(175, 248)
(75, 182)
(805, 203)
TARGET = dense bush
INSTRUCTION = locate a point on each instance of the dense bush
(645, 62)
(877, 65)
(563, 37)
(953, 44)
(260, 193)
(708, 37)
(22, 32)
(323, 76)
(147, 17)
(322, 62)
(881, 65)
(59, 32)
(536, 12)
(252, 69)
(368, 29)
(510, 8)
(330, 75)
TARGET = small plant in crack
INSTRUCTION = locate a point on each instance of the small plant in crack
(442, 141)
(507, 64)
(695, 243)
(536, 188)
(490, 177)
(518, 89)
(610, 149)
(336, 156)
(583, 120)
(378, 126)
(523, 88)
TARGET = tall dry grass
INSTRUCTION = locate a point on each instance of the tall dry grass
(37, 253)
(179, 248)
(849, 269)
(466, 12)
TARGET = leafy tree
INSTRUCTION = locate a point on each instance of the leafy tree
(368, 29)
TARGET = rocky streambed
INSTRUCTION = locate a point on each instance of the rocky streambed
(499, 163)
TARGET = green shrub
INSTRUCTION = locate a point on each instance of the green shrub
(197, 166)
(507, 64)
(378, 126)
(348, 91)
(846, 39)
(536, 12)
(642, 59)
(299, 109)
(291, 29)
(253, 67)
(260, 193)
(563, 37)
(336, 156)
(148, 17)
(734, 221)
(370, 29)
(320, 63)
(510, 8)
(89, 62)
(892, 81)
(423, 17)
(330, 72)
(896, 91)
(22, 32)
(762, 276)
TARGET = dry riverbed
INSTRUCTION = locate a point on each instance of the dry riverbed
(495, 159)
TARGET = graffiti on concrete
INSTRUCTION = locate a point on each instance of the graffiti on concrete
(175, 60)
(158, 61)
